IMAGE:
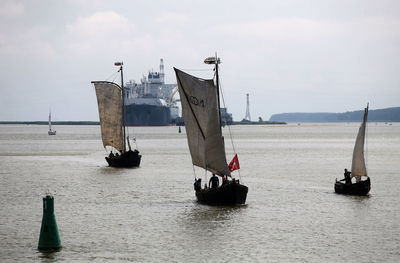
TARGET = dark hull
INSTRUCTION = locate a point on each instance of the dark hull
(147, 115)
(126, 160)
(232, 193)
(360, 188)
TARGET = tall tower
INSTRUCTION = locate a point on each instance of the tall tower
(247, 117)
(162, 70)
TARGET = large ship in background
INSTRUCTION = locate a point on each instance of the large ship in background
(151, 102)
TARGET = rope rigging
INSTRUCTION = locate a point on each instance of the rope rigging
(229, 127)
(114, 76)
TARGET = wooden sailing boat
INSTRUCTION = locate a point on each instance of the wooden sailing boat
(110, 99)
(201, 113)
(51, 132)
(358, 168)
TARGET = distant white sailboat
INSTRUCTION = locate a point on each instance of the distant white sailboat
(51, 132)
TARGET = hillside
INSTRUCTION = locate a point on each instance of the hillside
(380, 115)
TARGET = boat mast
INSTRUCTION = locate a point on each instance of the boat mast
(123, 102)
(219, 103)
(215, 60)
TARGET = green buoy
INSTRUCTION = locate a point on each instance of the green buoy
(49, 237)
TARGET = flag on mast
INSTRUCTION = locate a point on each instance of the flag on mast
(234, 164)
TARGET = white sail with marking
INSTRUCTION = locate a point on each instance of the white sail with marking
(109, 100)
(358, 167)
(200, 112)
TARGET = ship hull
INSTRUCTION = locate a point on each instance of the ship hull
(147, 115)
(232, 193)
(125, 160)
(360, 188)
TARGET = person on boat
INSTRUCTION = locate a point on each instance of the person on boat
(214, 181)
(347, 177)
(197, 184)
(224, 180)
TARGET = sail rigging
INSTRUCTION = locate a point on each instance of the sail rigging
(110, 101)
(200, 110)
(358, 167)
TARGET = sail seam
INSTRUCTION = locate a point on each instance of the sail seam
(191, 109)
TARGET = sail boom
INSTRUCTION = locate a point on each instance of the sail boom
(107, 82)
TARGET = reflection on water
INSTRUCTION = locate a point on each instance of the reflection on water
(49, 256)
(220, 214)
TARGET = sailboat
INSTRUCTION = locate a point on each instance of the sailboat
(110, 100)
(358, 168)
(51, 132)
(201, 112)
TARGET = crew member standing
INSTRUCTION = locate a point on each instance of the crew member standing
(214, 181)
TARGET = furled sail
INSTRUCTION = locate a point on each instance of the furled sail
(358, 168)
(201, 115)
(109, 100)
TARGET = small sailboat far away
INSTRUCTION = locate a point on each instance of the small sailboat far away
(110, 100)
(51, 132)
(358, 168)
(201, 113)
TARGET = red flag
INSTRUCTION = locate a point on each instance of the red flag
(234, 164)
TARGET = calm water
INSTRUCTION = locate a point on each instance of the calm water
(149, 214)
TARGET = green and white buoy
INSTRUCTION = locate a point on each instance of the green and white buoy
(49, 237)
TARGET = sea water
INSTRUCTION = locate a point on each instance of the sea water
(150, 214)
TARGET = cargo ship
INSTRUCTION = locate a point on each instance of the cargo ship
(151, 102)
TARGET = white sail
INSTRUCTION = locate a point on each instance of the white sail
(109, 100)
(49, 120)
(358, 167)
(200, 112)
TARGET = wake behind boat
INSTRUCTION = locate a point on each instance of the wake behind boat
(201, 113)
(110, 100)
(358, 169)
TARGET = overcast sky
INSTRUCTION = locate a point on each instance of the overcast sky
(290, 56)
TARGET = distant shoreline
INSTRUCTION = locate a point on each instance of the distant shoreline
(53, 122)
(98, 123)
(259, 123)
(378, 115)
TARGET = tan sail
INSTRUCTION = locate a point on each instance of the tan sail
(358, 167)
(201, 115)
(109, 100)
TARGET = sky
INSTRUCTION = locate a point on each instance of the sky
(289, 55)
